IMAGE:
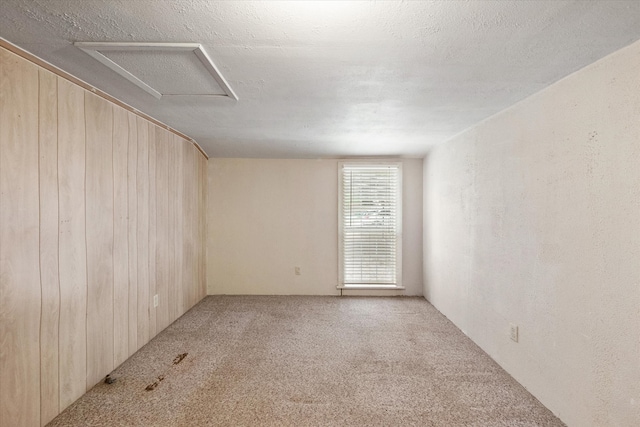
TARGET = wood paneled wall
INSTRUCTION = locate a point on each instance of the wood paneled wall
(100, 210)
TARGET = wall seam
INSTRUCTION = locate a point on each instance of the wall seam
(39, 257)
(86, 244)
(58, 235)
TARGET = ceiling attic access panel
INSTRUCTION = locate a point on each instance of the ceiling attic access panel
(153, 67)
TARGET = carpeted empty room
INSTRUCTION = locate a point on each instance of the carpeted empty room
(319, 213)
(309, 361)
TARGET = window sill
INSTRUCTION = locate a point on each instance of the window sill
(371, 287)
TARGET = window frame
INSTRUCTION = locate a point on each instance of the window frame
(341, 284)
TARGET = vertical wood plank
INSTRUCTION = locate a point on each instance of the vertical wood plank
(202, 197)
(132, 189)
(196, 241)
(49, 322)
(120, 236)
(72, 243)
(172, 209)
(187, 247)
(20, 292)
(196, 228)
(193, 284)
(152, 229)
(99, 215)
(162, 224)
(194, 225)
(180, 255)
(142, 182)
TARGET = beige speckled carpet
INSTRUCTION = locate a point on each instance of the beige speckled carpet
(310, 361)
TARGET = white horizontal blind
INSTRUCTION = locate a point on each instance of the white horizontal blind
(370, 223)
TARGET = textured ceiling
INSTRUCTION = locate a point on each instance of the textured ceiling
(331, 79)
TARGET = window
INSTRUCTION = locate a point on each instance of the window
(370, 225)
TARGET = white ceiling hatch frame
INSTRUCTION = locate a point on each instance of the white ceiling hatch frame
(94, 49)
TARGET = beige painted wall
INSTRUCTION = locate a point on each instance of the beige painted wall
(533, 218)
(94, 220)
(265, 217)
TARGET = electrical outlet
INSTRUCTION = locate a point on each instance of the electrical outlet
(513, 332)
(297, 271)
(155, 300)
